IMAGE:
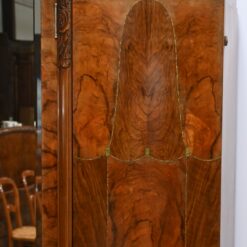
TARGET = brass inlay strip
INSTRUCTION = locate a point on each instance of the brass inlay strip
(150, 157)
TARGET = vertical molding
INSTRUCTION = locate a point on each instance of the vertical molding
(64, 47)
(64, 33)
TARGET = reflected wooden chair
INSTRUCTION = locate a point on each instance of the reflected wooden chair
(33, 195)
(28, 179)
(18, 232)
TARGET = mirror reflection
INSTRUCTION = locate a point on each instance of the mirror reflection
(20, 123)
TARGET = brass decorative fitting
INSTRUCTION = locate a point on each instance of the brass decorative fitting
(108, 152)
(147, 152)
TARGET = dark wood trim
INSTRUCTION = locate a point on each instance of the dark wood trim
(64, 124)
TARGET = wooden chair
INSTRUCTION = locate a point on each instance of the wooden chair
(28, 179)
(20, 233)
(34, 195)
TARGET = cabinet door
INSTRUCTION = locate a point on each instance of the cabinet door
(145, 121)
(147, 96)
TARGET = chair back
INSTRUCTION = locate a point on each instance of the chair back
(8, 186)
(28, 179)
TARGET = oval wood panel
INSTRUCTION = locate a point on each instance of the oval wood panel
(147, 110)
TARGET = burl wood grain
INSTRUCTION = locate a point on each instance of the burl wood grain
(148, 107)
(49, 127)
(144, 73)
(203, 203)
(96, 50)
(146, 203)
(90, 199)
(94, 72)
(199, 30)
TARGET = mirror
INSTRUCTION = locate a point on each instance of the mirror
(20, 123)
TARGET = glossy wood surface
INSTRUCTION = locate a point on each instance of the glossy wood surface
(147, 93)
(95, 72)
(64, 33)
(18, 152)
(200, 65)
(50, 92)
(203, 203)
(147, 103)
(90, 210)
(147, 81)
(146, 203)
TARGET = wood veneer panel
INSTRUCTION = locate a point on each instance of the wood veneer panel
(49, 126)
(200, 29)
(96, 41)
(203, 120)
(109, 38)
(147, 106)
(97, 29)
(203, 203)
(89, 200)
(146, 203)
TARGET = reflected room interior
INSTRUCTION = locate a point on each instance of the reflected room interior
(20, 119)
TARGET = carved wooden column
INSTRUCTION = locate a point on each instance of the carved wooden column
(56, 123)
(64, 124)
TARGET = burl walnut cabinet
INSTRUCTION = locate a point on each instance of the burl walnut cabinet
(132, 108)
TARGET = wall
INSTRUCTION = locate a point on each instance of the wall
(24, 20)
(37, 16)
(235, 57)
(1, 19)
(241, 171)
(229, 127)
